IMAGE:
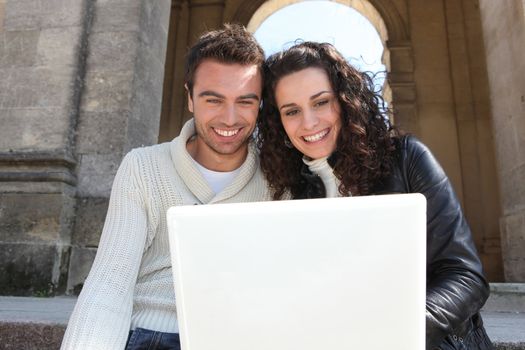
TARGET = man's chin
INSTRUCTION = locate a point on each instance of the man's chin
(228, 150)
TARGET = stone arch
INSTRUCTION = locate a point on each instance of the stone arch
(364, 7)
(392, 29)
(397, 28)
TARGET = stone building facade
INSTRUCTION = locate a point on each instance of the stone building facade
(84, 81)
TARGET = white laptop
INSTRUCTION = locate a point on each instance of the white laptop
(342, 273)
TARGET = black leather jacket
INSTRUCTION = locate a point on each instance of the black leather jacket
(456, 287)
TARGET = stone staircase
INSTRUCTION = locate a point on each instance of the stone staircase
(39, 323)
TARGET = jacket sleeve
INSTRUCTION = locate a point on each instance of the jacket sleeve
(102, 316)
(456, 287)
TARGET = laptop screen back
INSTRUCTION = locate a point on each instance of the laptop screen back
(343, 273)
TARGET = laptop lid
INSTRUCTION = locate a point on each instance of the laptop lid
(341, 273)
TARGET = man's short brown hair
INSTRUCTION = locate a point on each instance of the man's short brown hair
(231, 44)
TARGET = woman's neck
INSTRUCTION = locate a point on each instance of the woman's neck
(321, 168)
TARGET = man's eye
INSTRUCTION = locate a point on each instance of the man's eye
(246, 102)
(213, 100)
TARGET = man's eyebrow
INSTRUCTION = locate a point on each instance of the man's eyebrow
(211, 93)
(249, 96)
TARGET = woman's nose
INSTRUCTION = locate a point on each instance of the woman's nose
(310, 120)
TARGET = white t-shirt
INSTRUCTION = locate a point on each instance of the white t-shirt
(217, 180)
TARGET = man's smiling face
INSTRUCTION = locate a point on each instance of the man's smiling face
(225, 103)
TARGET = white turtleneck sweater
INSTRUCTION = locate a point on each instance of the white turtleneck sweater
(321, 168)
(130, 284)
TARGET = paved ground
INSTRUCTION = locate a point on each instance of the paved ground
(506, 329)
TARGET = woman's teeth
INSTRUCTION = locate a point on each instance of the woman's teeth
(227, 133)
(316, 137)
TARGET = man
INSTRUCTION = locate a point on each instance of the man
(130, 285)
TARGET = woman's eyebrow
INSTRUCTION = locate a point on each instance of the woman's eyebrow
(319, 94)
(288, 105)
(314, 96)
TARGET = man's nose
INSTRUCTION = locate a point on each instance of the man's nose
(230, 116)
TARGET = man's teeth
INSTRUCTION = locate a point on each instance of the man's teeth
(226, 132)
(316, 137)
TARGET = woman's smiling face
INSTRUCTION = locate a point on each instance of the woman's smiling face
(310, 111)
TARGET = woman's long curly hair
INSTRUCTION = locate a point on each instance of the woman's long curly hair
(365, 144)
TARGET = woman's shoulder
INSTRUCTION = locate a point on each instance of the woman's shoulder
(416, 161)
(411, 149)
(410, 143)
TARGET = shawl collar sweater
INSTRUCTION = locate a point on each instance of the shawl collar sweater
(130, 284)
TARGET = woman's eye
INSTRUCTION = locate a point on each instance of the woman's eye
(291, 112)
(321, 103)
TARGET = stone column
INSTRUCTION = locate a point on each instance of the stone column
(401, 81)
(204, 15)
(435, 100)
(474, 130)
(42, 45)
(196, 17)
(504, 36)
(173, 100)
(120, 110)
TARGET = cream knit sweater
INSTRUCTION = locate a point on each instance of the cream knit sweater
(130, 284)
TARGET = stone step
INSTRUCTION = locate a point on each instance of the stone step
(39, 323)
(506, 297)
(33, 323)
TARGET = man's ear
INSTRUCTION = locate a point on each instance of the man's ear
(190, 100)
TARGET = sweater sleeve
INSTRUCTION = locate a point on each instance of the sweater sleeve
(456, 287)
(102, 316)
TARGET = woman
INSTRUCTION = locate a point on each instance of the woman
(323, 133)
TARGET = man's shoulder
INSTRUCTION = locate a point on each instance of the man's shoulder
(147, 160)
(152, 152)
(149, 164)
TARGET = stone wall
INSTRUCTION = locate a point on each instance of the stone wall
(119, 110)
(42, 46)
(81, 85)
